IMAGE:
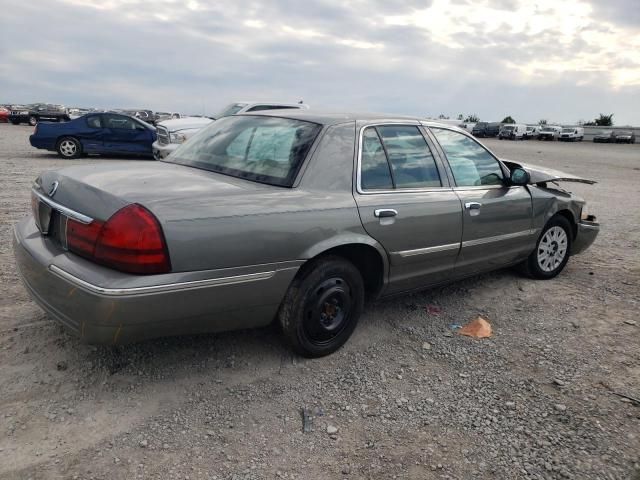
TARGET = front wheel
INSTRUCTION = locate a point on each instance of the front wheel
(321, 308)
(69, 147)
(33, 120)
(552, 250)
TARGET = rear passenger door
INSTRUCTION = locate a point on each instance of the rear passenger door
(406, 204)
(498, 217)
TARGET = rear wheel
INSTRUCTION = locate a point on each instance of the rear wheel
(321, 308)
(69, 147)
(552, 250)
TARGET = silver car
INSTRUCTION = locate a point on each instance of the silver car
(288, 216)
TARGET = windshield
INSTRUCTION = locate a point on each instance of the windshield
(230, 110)
(626, 134)
(263, 149)
(508, 127)
(530, 129)
(548, 129)
(567, 130)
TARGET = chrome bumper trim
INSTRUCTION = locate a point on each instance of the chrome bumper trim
(169, 287)
(62, 209)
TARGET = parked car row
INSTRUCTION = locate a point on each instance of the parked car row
(124, 133)
(611, 136)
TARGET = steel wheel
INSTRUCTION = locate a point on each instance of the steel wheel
(327, 311)
(552, 249)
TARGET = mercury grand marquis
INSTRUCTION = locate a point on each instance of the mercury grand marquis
(289, 216)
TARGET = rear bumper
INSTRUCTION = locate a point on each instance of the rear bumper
(161, 151)
(586, 235)
(38, 142)
(102, 306)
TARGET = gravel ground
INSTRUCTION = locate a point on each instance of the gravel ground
(406, 398)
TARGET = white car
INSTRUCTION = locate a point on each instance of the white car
(572, 134)
(549, 132)
(172, 133)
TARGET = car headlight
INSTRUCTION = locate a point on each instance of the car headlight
(178, 137)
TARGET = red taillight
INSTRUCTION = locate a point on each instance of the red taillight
(82, 238)
(130, 241)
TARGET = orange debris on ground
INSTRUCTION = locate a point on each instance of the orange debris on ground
(478, 328)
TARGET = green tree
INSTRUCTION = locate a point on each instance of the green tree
(542, 122)
(460, 117)
(473, 118)
(508, 119)
(442, 116)
(604, 120)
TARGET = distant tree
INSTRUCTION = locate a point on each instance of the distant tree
(604, 120)
(442, 116)
(473, 118)
(542, 122)
(508, 119)
(460, 117)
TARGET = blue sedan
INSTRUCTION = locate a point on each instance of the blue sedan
(102, 133)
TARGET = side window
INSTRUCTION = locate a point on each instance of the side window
(119, 122)
(412, 163)
(374, 168)
(470, 163)
(94, 121)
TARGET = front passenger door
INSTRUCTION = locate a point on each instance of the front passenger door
(407, 205)
(497, 217)
(126, 135)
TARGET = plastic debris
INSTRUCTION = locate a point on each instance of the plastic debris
(307, 421)
(478, 328)
(455, 326)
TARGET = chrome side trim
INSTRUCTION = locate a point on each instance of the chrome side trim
(169, 287)
(499, 238)
(427, 250)
(62, 209)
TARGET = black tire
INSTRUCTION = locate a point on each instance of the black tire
(15, 122)
(69, 147)
(535, 266)
(322, 306)
(33, 120)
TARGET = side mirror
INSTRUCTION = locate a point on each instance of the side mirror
(519, 176)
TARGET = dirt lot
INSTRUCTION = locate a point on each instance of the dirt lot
(408, 397)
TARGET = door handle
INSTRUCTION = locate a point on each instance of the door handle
(385, 212)
(472, 205)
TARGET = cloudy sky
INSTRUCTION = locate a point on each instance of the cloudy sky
(563, 60)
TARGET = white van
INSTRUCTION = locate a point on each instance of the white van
(512, 131)
(532, 131)
(572, 134)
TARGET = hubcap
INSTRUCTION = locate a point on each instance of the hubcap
(327, 312)
(68, 148)
(552, 249)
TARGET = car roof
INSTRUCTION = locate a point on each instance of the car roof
(329, 118)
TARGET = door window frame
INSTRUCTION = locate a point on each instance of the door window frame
(439, 163)
(505, 171)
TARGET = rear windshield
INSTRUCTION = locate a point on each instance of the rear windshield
(263, 149)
